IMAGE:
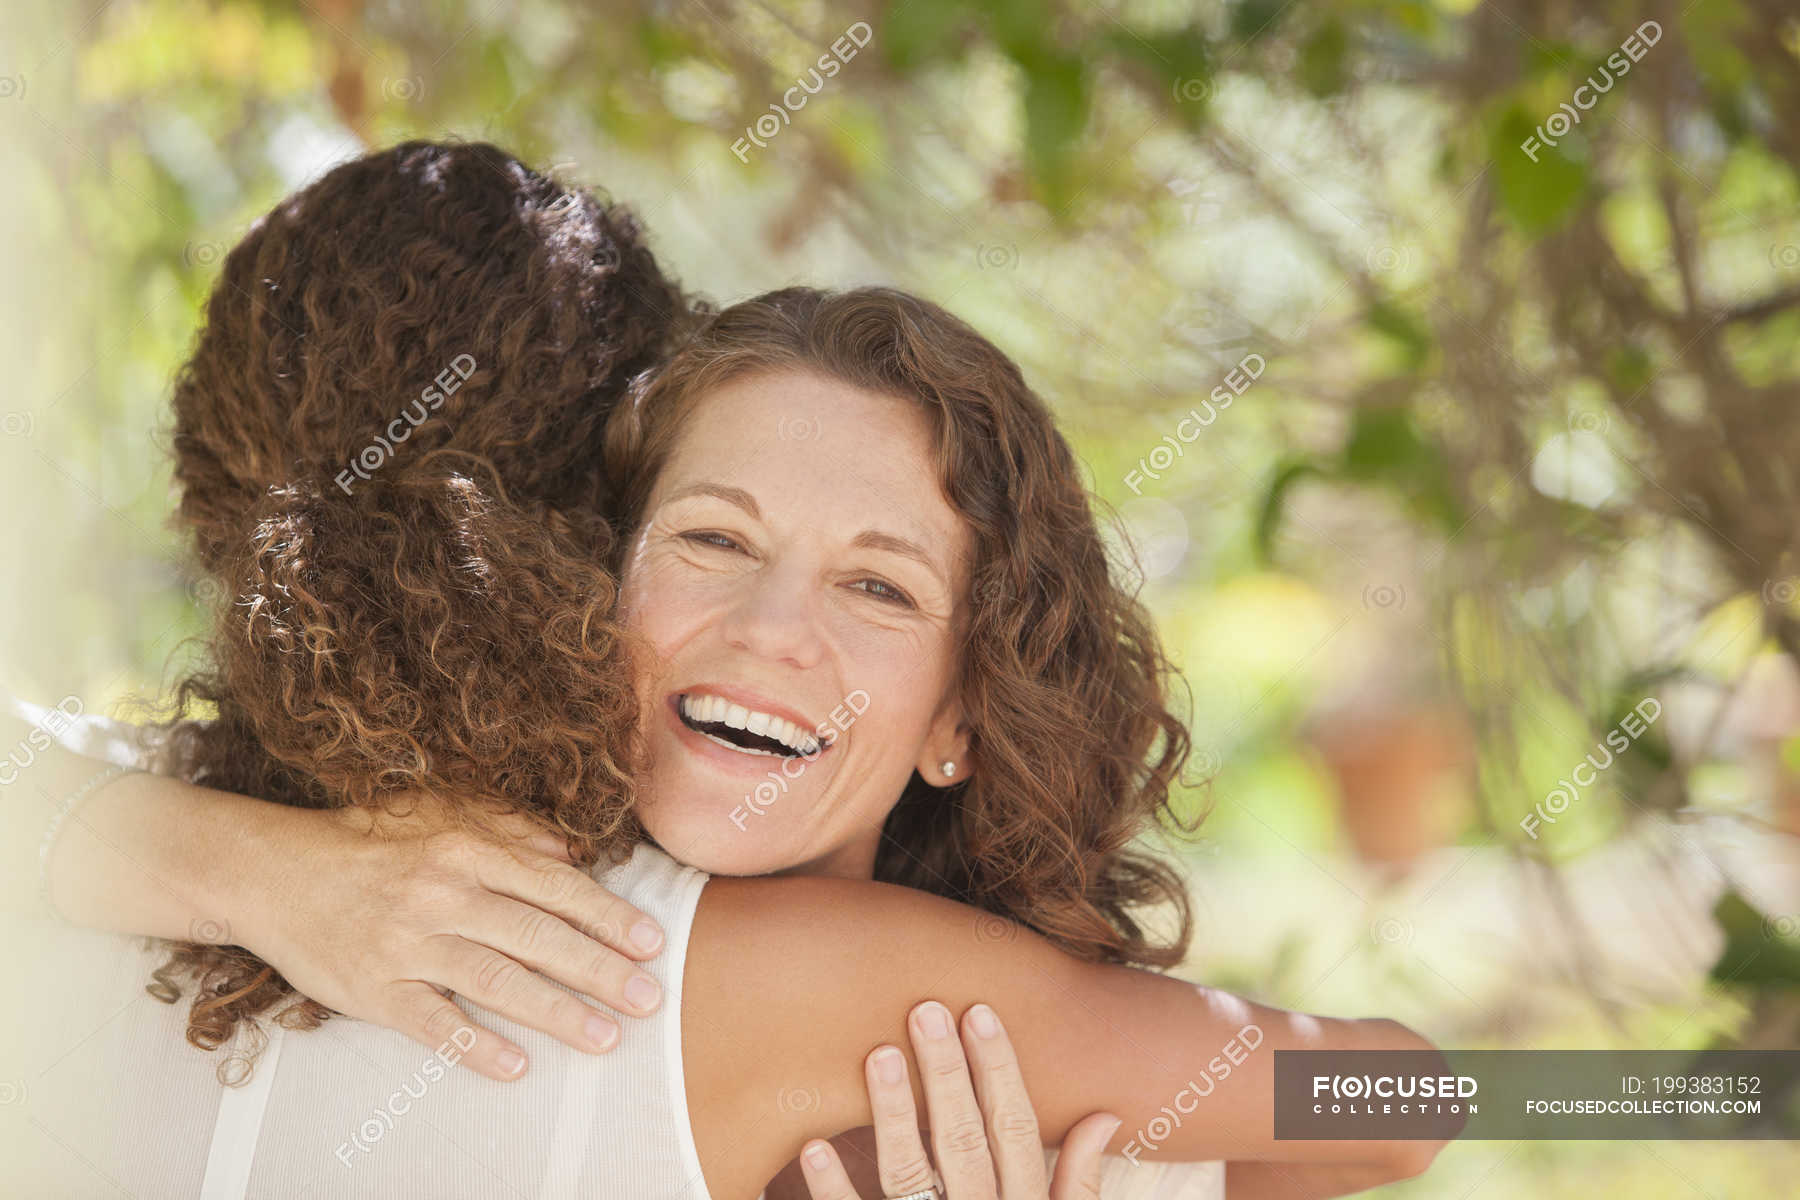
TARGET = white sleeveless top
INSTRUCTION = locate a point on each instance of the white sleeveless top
(351, 1109)
(100, 1094)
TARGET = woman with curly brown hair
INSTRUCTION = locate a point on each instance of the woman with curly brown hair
(871, 634)
(388, 447)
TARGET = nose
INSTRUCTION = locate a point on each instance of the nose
(775, 618)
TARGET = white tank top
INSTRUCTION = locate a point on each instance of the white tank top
(100, 1094)
(117, 1096)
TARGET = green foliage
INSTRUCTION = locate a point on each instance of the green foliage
(1178, 64)
(1758, 952)
(915, 31)
(1398, 328)
(1630, 369)
(1385, 449)
(1324, 65)
(1537, 196)
(1056, 106)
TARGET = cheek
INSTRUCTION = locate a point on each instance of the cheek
(661, 604)
(905, 682)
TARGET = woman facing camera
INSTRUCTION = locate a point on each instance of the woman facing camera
(865, 636)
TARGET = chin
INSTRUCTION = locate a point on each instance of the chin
(721, 848)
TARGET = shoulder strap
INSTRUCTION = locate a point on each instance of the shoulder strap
(241, 1109)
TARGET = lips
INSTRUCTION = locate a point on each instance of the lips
(744, 723)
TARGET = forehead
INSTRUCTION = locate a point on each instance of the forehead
(779, 401)
(805, 444)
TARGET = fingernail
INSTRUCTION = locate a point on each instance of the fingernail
(1111, 1129)
(889, 1067)
(643, 992)
(818, 1157)
(511, 1062)
(601, 1032)
(933, 1020)
(985, 1022)
(646, 937)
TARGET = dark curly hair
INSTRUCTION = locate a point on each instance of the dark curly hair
(387, 441)
(1062, 677)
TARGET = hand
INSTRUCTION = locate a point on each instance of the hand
(984, 1131)
(380, 917)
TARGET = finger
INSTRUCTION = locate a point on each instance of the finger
(824, 1173)
(544, 942)
(510, 988)
(549, 843)
(958, 1135)
(571, 894)
(1078, 1166)
(899, 1152)
(1012, 1126)
(423, 1014)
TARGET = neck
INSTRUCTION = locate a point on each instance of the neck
(853, 861)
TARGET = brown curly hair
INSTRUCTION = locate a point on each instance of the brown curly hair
(388, 446)
(1062, 678)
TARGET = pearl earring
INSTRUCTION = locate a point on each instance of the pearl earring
(948, 768)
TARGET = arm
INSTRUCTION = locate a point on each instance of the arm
(789, 980)
(134, 853)
(984, 1130)
(145, 854)
(1296, 1181)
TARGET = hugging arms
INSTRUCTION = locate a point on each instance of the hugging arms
(816, 496)
(790, 982)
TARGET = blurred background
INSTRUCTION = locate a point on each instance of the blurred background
(1438, 364)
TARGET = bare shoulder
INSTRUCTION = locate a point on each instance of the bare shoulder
(817, 926)
(791, 982)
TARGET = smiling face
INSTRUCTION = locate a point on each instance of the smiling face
(798, 576)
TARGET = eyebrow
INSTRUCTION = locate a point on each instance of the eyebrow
(731, 495)
(868, 539)
(874, 539)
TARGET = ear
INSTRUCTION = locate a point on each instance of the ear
(948, 741)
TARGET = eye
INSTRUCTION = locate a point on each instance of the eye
(884, 591)
(712, 538)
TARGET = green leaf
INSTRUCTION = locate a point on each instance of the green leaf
(1182, 54)
(1385, 447)
(1538, 185)
(1018, 26)
(1323, 67)
(1181, 61)
(1711, 30)
(1254, 19)
(1398, 326)
(1268, 517)
(1056, 106)
(1629, 368)
(1755, 953)
(663, 43)
(1649, 755)
(914, 31)
(1384, 444)
(1418, 17)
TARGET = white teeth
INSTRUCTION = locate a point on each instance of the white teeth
(708, 710)
(738, 748)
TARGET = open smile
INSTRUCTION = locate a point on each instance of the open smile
(745, 729)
